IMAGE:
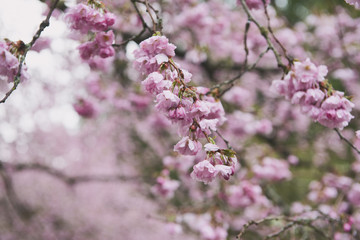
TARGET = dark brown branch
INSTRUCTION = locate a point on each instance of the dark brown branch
(130, 39)
(273, 35)
(70, 180)
(140, 16)
(247, 27)
(346, 140)
(149, 12)
(157, 26)
(225, 141)
(230, 83)
(265, 33)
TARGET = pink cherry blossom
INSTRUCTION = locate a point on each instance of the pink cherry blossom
(245, 194)
(354, 194)
(186, 146)
(100, 46)
(165, 187)
(302, 86)
(335, 112)
(85, 108)
(225, 171)
(155, 83)
(166, 100)
(152, 52)
(272, 169)
(204, 171)
(84, 18)
(209, 147)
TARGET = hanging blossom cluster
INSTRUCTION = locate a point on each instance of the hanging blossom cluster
(196, 113)
(100, 46)
(9, 62)
(305, 84)
(85, 18)
(93, 18)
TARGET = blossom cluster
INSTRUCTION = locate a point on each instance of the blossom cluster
(245, 194)
(100, 46)
(305, 85)
(165, 186)
(94, 18)
(197, 114)
(85, 18)
(272, 169)
(9, 64)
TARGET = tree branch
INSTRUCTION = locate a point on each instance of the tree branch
(346, 140)
(70, 180)
(42, 27)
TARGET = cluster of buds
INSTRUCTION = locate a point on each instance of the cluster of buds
(197, 114)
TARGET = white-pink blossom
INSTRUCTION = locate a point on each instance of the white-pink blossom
(204, 171)
(152, 52)
(272, 169)
(209, 147)
(166, 100)
(303, 86)
(165, 187)
(9, 65)
(186, 146)
(84, 18)
(155, 83)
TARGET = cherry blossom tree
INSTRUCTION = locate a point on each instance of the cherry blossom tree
(182, 119)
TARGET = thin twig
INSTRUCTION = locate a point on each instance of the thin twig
(346, 140)
(273, 35)
(225, 141)
(157, 25)
(130, 39)
(265, 33)
(230, 83)
(256, 223)
(140, 16)
(42, 27)
(291, 223)
(149, 12)
(247, 27)
(301, 222)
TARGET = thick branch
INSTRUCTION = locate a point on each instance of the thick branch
(70, 180)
